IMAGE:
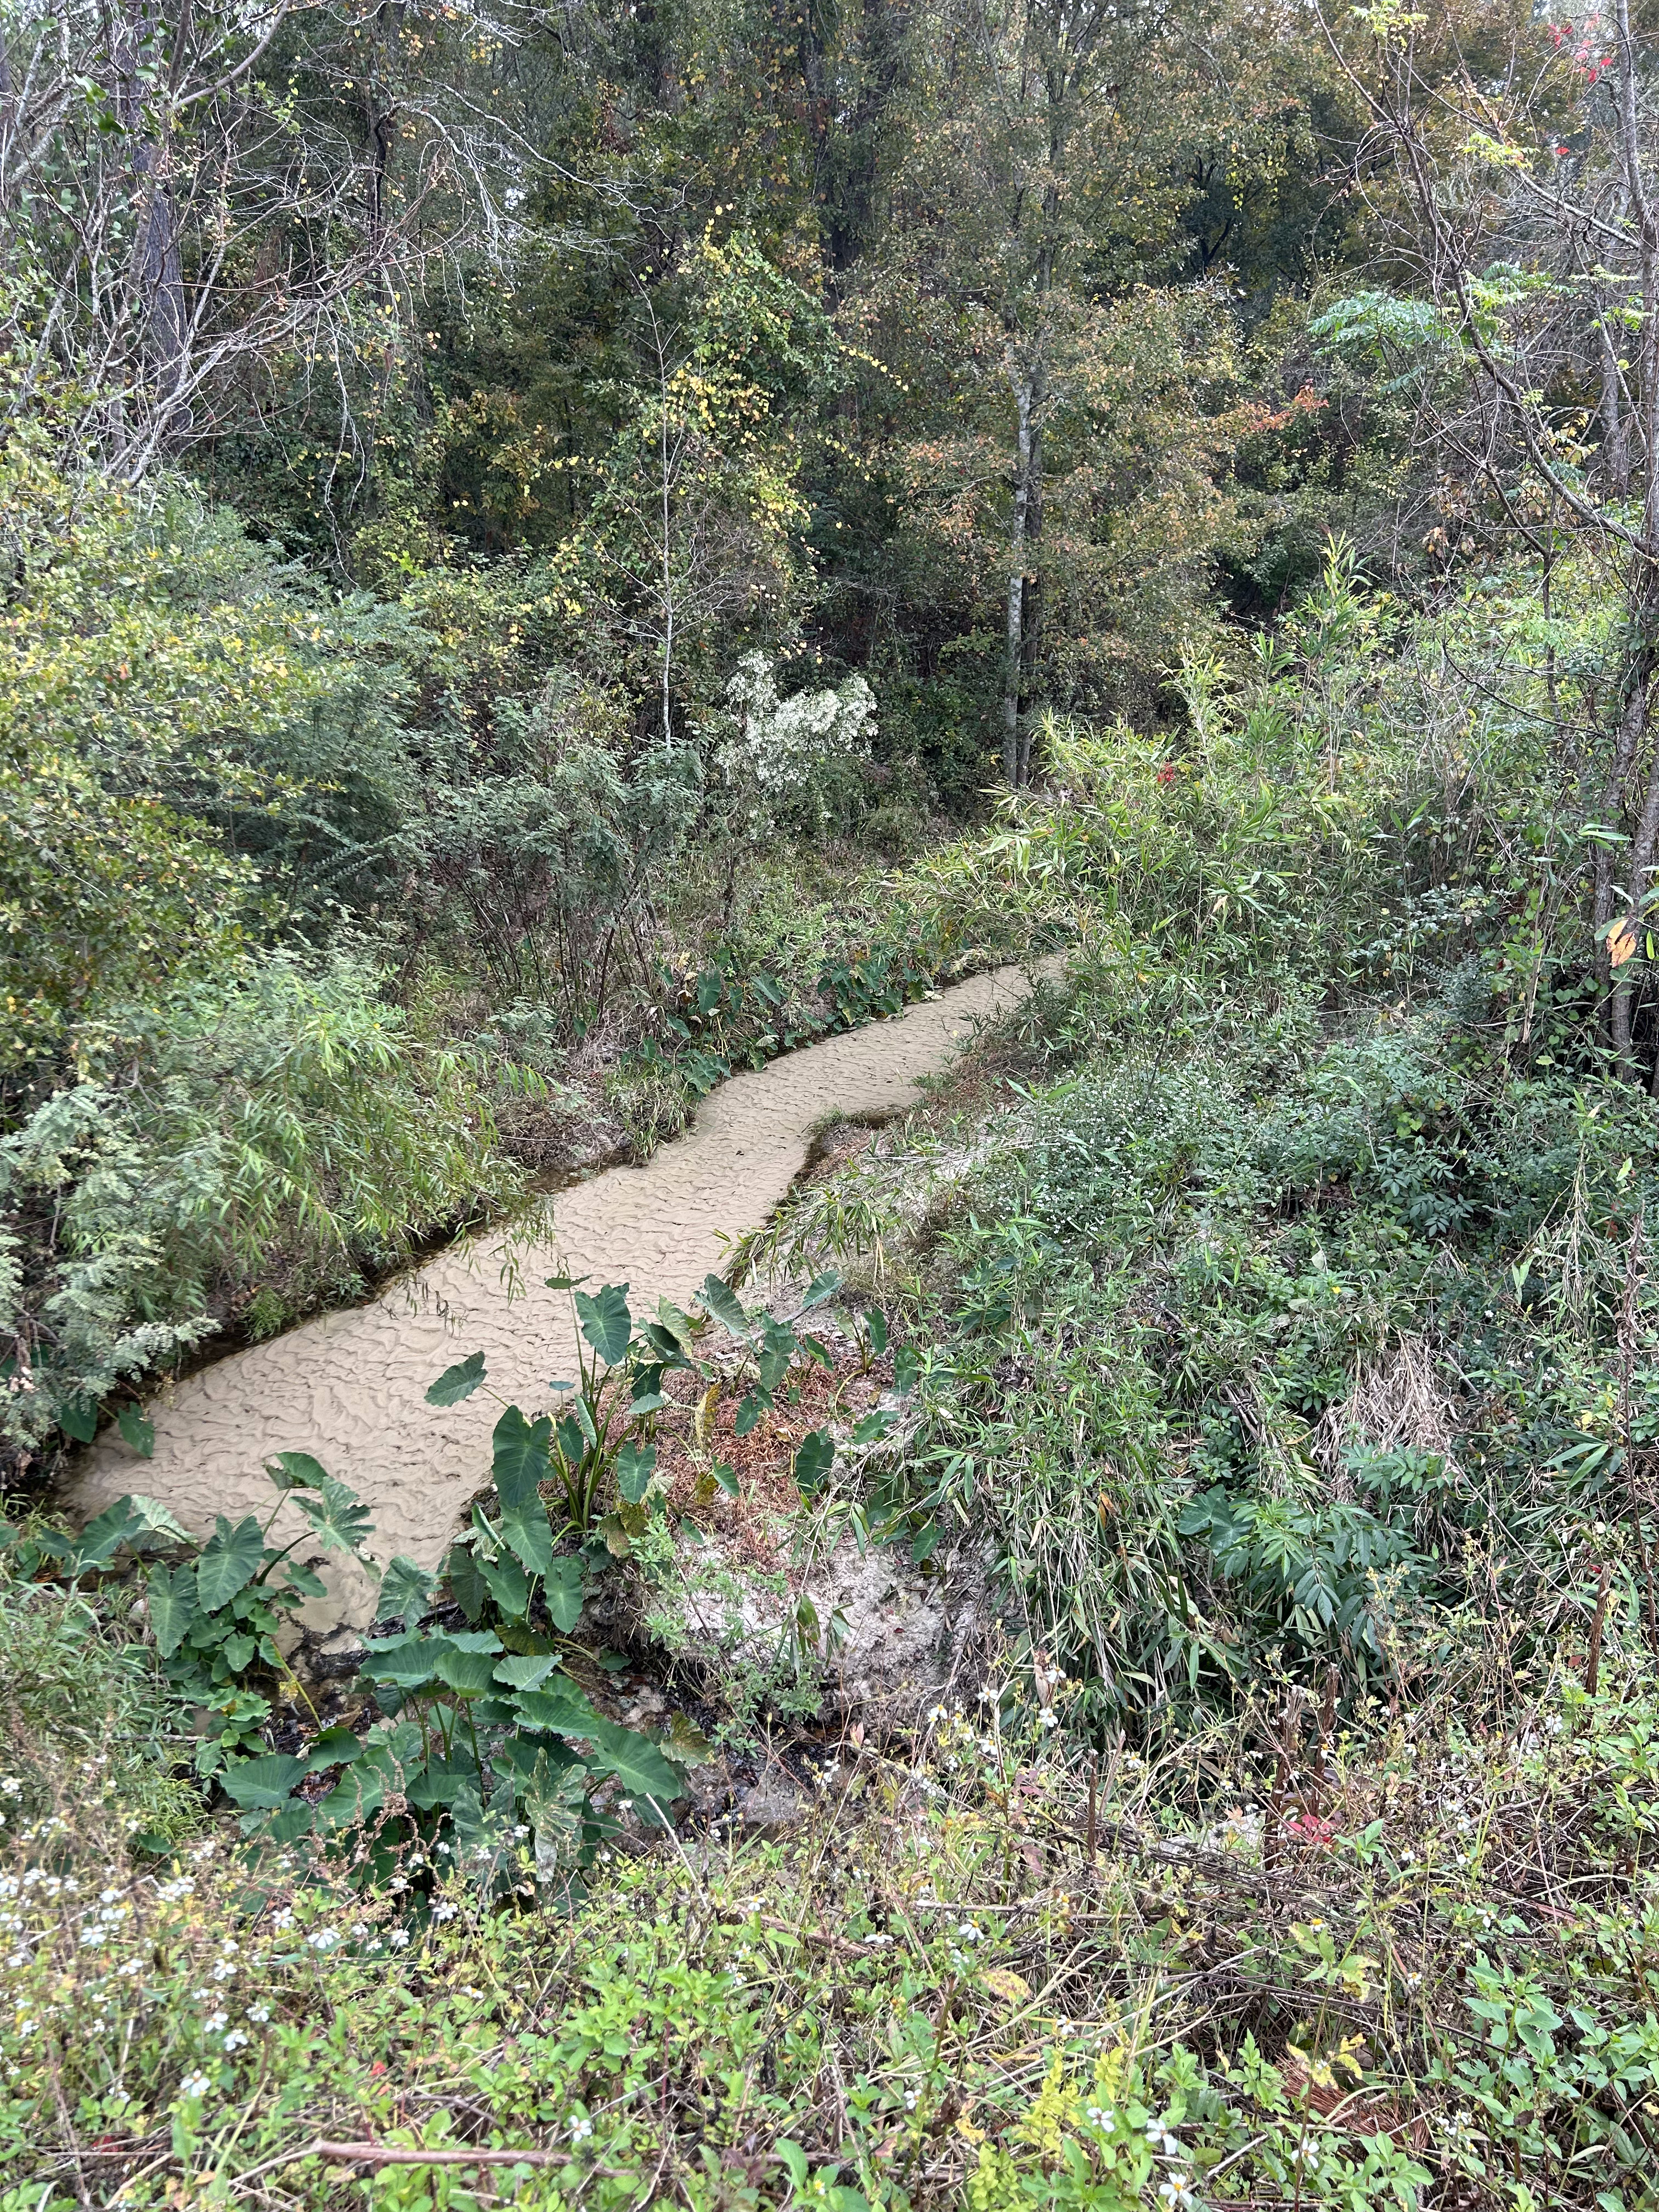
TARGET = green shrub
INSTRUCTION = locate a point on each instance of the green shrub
(278, 1126)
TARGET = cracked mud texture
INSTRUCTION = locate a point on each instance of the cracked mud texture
(350, 1387)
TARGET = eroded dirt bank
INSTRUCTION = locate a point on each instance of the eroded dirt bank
(350, 1387)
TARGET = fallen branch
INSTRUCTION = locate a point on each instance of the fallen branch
(373, 2154)
(370, 2153)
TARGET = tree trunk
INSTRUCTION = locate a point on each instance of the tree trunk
(1635, 730)
(157, 271)
(1615, 449)
(1031, 605)
(1013, 657)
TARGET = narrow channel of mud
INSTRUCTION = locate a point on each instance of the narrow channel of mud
(350, 1387)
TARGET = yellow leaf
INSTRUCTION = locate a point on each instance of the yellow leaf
(1007, 1986)
(1622, 943)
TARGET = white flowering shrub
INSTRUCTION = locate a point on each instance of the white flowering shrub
(787, 761)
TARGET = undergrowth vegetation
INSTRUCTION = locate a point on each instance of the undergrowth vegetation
(1273, 1324)
(985, 1973)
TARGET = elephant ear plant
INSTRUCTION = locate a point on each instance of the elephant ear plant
(217, 1610)
(482, 1734)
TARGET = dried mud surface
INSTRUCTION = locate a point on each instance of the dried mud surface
(350, 1387)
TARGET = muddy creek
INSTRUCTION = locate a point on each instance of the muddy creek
(350, 1387)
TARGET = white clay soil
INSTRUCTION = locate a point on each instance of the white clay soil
(349, 1387)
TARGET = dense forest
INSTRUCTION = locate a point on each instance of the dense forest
(551, 555)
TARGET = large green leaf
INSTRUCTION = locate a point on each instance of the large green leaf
(717, 1299)
(405, 1661)
(100, 1541)
(635, 1760)
(335, 1746)
(151, 1518)
(405, 1591)
(78, 1417)
(297, 1818)
(508, 1584)
(820, 1288)
(559, 1707)
(564, 1588)
(529, 1531)
(469, 1674)
(666, 1345)
(256, 1784)
(520, 1465)
(171, 1595)
(779, 1348)
(355, 1798)
(466, 1585)
(230, 1560)
(606, 1322)
(527, 1757)
(298, 1471)
(137, 1429)
(458, 1381)
(813, 1462)
(528, 1672)
(339, 1516)
(636, 1465)
(749, 1412)
(441, 1782)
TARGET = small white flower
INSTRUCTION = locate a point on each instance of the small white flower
(194, 2085)
(910, 2100)
(397, 1938)
(214, 2022)
(235, 2039)
(1177, 2192)
(324, 1939)
(581, 2128)
(443, 1912)
(224, 1970)
(259, 2012)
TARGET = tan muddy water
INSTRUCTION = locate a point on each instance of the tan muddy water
(350, 1387)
